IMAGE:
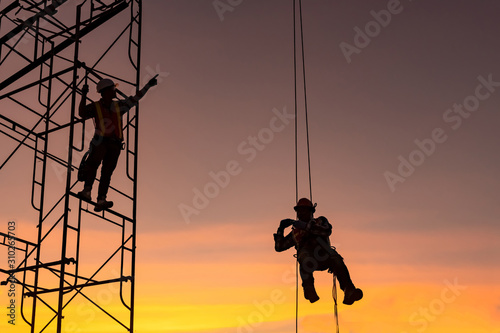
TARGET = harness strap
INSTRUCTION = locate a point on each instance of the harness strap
(118, 120)
(100, 118)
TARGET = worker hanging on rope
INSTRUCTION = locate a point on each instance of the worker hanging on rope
(106, 144)
(310, 236)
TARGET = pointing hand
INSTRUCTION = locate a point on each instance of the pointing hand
(153, 82)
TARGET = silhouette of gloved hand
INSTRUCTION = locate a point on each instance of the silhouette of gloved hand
(300, 224)
(153, 82)
(285, 224)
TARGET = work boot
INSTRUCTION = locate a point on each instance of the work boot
(352, 295)
(310, 294)
(85, 195)
(102, 204)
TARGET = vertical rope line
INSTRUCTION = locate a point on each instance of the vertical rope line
(296, 159)
(334, 294)
(297, 295)
(295, 98)
(305, 99)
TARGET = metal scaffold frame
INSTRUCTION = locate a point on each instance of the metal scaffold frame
(54, 70)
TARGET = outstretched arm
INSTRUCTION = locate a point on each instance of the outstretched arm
(141, 93)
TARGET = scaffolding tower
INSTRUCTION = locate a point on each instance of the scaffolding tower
(48, 50)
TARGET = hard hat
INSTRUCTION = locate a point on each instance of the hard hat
(304, 202)
(105, 83)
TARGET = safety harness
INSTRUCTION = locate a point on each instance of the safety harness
(115, 117)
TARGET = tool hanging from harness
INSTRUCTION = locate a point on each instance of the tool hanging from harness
(82, 169)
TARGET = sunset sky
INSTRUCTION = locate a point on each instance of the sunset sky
(403, 122)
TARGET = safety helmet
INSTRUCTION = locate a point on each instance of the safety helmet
(304, 202)
(105, 83)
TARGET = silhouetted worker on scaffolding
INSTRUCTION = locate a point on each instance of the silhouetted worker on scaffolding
(310, 236)
(107, 142)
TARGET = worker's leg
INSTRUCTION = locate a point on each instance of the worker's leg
(306, 272)
(307, 266)
(337, 266)
(96, 155)
(108, 166)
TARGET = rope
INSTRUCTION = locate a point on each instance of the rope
(296, 130)
(296, 293)
(296, 161)
(295, 96)
(334, 295)
(305, 99)
(301, 27)
(303, 64)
